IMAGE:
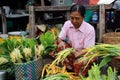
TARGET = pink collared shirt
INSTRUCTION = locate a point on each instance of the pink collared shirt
(78, 38)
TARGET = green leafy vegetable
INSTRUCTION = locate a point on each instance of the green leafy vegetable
(95, 74)
(105, 61)
(57, 77)
(47, 40)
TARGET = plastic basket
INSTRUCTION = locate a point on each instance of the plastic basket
(29, 71)
(88, 15)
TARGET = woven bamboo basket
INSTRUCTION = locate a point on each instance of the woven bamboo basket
(113, 38)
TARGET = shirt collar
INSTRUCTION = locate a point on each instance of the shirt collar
(81, 28)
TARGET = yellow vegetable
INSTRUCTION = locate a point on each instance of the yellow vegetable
(16, 56)
(28, 53)
(3, 60)
(39, 49)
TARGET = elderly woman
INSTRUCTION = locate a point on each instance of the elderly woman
(79, 34)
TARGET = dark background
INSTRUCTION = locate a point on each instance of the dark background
(19, 4)
(14, 4)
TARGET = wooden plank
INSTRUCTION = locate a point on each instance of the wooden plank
(65, 8)
(101, 22)
(32, 21)
(60, 8)
(52, 8)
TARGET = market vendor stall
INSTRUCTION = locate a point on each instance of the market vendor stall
(41, 57)
(57, 67)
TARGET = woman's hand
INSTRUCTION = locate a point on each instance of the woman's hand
(62, 45)
(80, 53)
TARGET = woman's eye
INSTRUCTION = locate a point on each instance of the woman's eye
(72, 18)
(76, 18)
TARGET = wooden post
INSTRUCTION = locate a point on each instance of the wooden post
(67, 15)
(101, 21)
(32, 21)
(4, 22)
(42, 3)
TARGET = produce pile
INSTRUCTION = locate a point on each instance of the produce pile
(95, 74)
(58, 73)
(54, 72)
(14, 51)
(104, 51)
(53, 68)
(29, 49)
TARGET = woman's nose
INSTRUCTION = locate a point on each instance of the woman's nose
(74, 20)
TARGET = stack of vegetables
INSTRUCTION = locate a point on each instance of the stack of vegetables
(95, 74)
(14, 51)
(28, 49)
(53, 71)
(48, 41)
(104, 51)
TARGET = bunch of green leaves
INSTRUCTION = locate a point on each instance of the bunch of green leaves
(26, 48)
(8, 45)
(47, 40)
(8, 66)
(57, 77)
(104, 51)
(5, 48)
(28, 43)
(95, 74)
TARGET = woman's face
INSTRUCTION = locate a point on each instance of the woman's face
(76, 19)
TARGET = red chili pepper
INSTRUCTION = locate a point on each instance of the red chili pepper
(84, 72)
(64, 63)
(51, 53)
(78, 67)
(71, 61)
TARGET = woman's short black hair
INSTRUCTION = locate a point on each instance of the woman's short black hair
(78, 7)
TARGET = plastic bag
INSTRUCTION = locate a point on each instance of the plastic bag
(84, 2)
(93, 2)
(105, 1)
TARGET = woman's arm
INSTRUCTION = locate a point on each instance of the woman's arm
(61, 43)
